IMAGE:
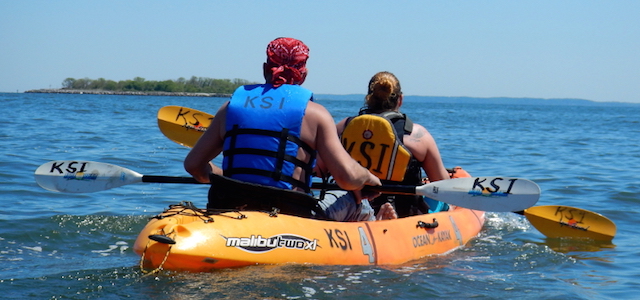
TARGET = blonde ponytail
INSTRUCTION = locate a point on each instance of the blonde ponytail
(384, 92)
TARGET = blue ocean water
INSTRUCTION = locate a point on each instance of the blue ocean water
(78, 246)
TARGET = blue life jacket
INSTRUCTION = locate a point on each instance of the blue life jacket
(263, 127)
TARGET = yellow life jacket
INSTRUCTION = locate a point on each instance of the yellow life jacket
(372, 140)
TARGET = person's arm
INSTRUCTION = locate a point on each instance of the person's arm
(426, 151)
(198, 161)
(321, 168)
(347, 172)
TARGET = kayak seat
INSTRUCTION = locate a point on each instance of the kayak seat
(228, 193)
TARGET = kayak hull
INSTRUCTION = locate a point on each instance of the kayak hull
(184, 238)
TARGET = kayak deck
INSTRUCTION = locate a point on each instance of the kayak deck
(185, 238)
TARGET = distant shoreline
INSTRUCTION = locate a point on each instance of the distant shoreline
(360, 97)
(130, 93)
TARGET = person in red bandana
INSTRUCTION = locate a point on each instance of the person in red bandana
(270, 136)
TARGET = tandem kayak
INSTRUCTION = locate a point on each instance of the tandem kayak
(186, 238)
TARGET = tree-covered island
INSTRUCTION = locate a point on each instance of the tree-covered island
(199, 86)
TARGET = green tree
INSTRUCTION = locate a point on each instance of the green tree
(97, 84)
(68, 83)
(193, 85)
(111, 85)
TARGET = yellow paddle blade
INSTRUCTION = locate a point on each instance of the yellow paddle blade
(183, 125)
(556, 221)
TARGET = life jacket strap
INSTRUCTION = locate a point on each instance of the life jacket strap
(283, 136)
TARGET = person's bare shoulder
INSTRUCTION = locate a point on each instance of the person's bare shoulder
(219, 121)
(419, 134)
(318, 114)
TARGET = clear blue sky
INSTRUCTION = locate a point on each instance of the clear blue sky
(540, 49)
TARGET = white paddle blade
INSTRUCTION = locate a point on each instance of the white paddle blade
(71, 176)
(497, 194)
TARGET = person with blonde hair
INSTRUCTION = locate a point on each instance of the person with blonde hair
(391, 146)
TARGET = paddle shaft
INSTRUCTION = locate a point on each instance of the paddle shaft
(511, 194)
(395, 189)
(168, 179)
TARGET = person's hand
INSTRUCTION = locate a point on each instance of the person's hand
(366, 195)
(387, 212)
(372, 180)
(369, 195)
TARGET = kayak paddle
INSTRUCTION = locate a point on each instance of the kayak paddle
(557, 221)
(183, 125)
(553, 221)
(481, 193)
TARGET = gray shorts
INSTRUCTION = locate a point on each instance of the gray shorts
(341, 206)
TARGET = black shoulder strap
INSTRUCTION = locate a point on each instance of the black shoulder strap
(347, 121)
(400, 121)
(408, 125)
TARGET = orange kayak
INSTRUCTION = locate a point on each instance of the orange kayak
(185, 238)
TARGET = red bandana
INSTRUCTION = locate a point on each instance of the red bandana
(287, 59)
